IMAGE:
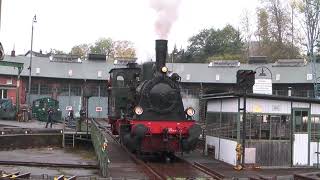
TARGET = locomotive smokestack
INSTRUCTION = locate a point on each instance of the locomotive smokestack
(161, 53)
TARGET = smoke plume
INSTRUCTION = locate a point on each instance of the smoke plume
(167, 11)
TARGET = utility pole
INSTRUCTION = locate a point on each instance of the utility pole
(34, 20)
(0, 12)
(292, 37)
(245, 81)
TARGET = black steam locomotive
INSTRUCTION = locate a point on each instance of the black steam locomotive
(146, 108)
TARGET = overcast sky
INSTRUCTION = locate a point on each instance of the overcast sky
(64, 23)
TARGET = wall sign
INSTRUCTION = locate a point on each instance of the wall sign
(262, 86)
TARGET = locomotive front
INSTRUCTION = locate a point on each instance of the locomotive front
(160, 123)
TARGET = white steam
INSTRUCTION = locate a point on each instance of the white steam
(167, 11)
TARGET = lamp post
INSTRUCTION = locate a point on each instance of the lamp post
(34, 20)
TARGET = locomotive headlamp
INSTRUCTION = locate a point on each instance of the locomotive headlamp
(138, 110)
(190, 111)
(164, 69)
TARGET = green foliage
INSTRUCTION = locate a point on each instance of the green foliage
(263, 25)
(124, 49)
(226, 57)
(273, 32)
(103, 46)
(81, 50)
(210, 43)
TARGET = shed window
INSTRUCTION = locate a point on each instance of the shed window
(301, 121)
(45, 89)
(120, 81)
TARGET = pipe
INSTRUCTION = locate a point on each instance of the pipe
(161, 53)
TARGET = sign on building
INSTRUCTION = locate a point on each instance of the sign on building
(98, 109)
(68, 108)
(262, 86)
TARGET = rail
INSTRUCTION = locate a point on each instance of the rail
(99, 143)
(151, 173)
(158, 171)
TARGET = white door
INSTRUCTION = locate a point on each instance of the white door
(300, 137)
(300, 150)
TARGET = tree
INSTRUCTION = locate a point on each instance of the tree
(246, 29)
(124, 49)
(263, 26)
(177, 55)
(103, 46)
(273, 32)
(210, 43)
(310, 9)
(279, 20)
(81, 50)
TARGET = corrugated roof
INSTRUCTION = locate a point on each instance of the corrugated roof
(196, 73)
(84, 70)
(189, 72)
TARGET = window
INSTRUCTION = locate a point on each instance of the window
(315, 128)
(34, 89)
(94, 90)
(75, 90)
(103, 91)
(222, 124)
(63, 90)
(45, 89)
(301, 121)
(3, 93)
(120, 81)
(9, 81)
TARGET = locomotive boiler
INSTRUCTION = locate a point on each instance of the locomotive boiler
(146, 109)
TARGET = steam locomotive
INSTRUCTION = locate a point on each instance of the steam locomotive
(145, 108)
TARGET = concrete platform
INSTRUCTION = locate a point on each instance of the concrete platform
(228, 172)
(28, 124)
(50, 155)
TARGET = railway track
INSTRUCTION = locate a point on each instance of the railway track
(158, 170)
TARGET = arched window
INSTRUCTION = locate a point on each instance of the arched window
(120, 81)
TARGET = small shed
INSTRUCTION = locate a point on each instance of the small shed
(279, 130)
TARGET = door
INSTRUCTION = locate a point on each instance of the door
(301, 137)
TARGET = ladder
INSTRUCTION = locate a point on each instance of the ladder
(68, 139)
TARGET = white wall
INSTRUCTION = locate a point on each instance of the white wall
(227, 150)
(315, 109)
(268, 106)
(300, 150)
(260, 106)
(228, 105)
(313, 155)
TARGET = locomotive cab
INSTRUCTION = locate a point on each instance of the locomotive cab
(121, 96)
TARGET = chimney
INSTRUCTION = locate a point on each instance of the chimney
(13, 53)
(161, 53)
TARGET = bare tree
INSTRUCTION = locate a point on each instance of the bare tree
(311, 9)
(246, 30)
(279, 20)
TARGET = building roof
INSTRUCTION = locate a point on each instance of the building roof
(196, 72)
(44, 67)
(189, 72)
